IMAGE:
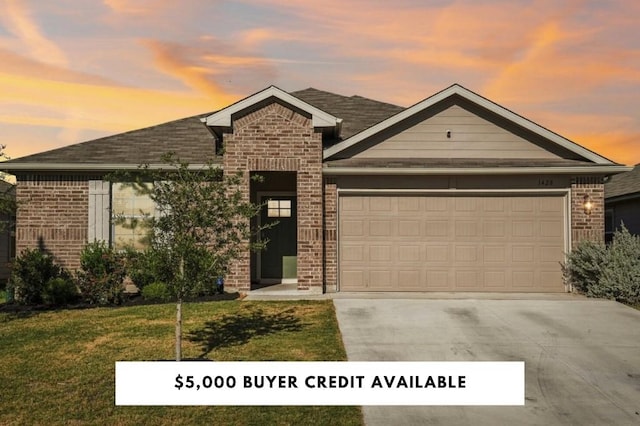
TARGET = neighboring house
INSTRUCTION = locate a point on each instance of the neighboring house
(7, 230)
(622, 202)
(454, 193)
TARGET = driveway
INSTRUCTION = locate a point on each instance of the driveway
(582, 356)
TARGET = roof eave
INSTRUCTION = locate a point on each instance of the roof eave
(580, 170)
(85, 167)
(621, 197)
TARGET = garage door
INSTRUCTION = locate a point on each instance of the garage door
(451, 243)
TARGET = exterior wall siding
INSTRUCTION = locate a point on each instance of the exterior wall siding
(587, 226)
(275, 138)
(470, 136)
(53, 215)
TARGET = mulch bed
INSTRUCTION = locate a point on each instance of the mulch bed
(131, 300)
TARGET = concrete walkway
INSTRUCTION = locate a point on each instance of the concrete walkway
(582, 356)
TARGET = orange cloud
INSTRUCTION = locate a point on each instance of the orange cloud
(170, 58)
(18, 19)
(617, 146)
(76, 107)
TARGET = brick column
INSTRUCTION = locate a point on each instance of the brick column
(587, 226)
(330, 235)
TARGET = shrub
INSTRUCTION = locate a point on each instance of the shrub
(146, 267)
(157, 291)
(101, 274)
(60, 291)
(620, 279)
(584, 265)
(611, 272)
(31, 272)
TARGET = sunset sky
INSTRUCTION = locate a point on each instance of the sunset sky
(75, 70)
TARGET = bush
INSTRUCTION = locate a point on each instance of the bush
(584, 266)
(101, 274)
(157, 291)
(60, 291)
(620, 279)
(146, 267)
(31, 272)
(611, 272)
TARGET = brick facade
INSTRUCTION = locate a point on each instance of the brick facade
(587, 226)
(53, 215)
(330, 235)
(276, 138)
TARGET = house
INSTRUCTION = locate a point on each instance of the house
(622, 202)
(454, 193)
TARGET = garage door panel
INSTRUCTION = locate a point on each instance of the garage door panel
(438, 280)
(493, 206)
(466, 229)
(550, 254)
(466, 254)
(494, 229)
(522, 205)
(523, 228)
(380, 205)
(550, 228)
(524, 279)
(451, 243)
(436, 204)
(437, 228)
(352, 279)
(409, 204)
(352, 204)
(353, 228)
(495, 254)
(409, 276)
(438, 253)
(409, 253)
(495, 280)
(379, 279)
(409, 228)
(523, 254)
(467, 280)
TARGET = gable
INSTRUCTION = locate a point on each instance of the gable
(496, 114)
(456, 132)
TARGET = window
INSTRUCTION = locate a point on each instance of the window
(609, 225)
(129, 211)
(279, 208)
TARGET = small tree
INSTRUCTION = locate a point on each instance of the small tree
(8, 203)
(202, 223)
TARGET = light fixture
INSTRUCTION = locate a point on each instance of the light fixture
(448, 134)
(587, 204)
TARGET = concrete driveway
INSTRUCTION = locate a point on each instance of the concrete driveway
(582, 356)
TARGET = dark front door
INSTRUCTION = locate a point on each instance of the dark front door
(278, 261)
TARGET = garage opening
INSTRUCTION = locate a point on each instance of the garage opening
(475, 243)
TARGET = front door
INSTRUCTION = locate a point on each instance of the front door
(278, 261)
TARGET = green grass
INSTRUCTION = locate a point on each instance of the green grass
(58, 366)
(3, 296)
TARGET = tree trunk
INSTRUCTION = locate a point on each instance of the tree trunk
(179, 314)
(179, 330)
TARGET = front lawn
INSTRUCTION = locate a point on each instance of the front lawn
(58, 366)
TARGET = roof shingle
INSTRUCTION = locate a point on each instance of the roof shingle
(191, 140)
(358, 113)
(187, 137)
(623, 184)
